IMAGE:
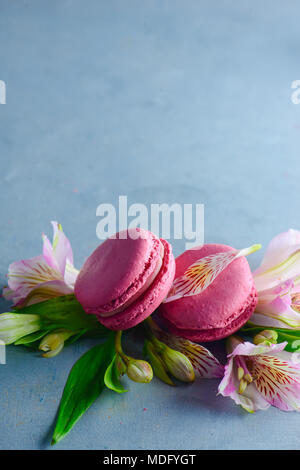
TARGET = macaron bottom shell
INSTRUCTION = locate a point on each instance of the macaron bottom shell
(215, 334)
(221, 308)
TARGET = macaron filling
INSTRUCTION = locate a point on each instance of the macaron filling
(149, 281)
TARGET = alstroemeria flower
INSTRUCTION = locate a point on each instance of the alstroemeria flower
(257, 376)
(278, 307)
(45, 276)
(277, 282)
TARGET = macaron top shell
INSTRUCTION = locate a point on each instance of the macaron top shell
(221, 303)
(117, 270)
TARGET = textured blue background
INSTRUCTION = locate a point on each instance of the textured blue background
(180, 101)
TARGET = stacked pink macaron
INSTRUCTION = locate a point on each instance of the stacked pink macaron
(126, 278)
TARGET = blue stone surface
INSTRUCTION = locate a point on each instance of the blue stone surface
(162, 101)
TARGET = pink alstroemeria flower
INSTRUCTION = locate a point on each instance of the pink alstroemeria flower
(278, 283)
(257, 376)
(45, 276)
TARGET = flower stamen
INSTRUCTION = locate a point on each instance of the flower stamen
(244, 376)
(241, 373)
(242, 386)
(248, 378)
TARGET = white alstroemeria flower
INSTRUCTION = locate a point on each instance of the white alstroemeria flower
(258, 376)
(45, 276)
(277, 282)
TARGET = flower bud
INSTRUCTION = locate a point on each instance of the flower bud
(157, 364)
(54, 342)
(266, 337)
(139, 371)
(178, 365)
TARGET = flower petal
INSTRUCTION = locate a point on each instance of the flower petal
(278, 381)
(25, 275)
(281, 261)
(71, 274)
(7, 293)
(14, 326)
(46, 291)
(205, 364)
(204, 271)
(48, 253)
(250, 349)
(227, 385)
(268, 321)
(62, 249)
(274, 307)
(250, 400)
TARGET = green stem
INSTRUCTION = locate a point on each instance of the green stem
(118, 343)
(149, 323)
(118, 346)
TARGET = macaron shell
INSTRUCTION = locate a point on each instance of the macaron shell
(227, 302)
(117, 270)
(149, 300)
(214, 334)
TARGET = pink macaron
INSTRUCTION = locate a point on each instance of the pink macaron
(126, 278)
(220, 309)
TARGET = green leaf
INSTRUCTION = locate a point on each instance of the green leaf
(284, 334)
(293, 340)
(75, 337)
(63, 312)
(28, 339)
(112, 377)
(84, 385)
